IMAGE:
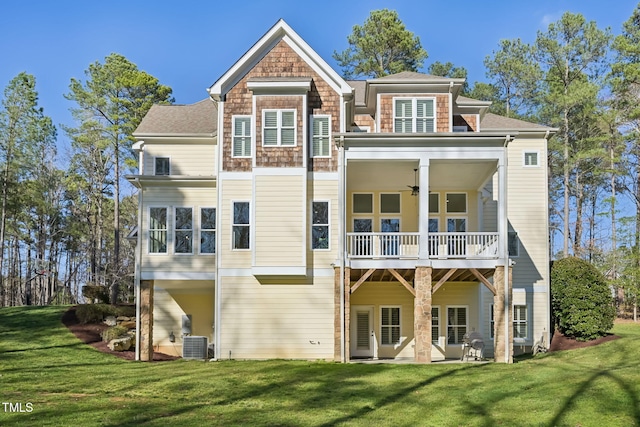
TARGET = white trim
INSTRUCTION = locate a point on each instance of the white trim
(154, 165)
(148, 229)
(439, 325)
(176, 275)
(328, 225)
(200, 230)
(392, 344)
(466, 307)
(399, 194)
(313, 117)
(373, 203)
(524, 158)
(279, 127)
(466, 202)
(251, 221)
(414, 118)
(290, 87)
(193, 229)
(437, 212)
(251, 135)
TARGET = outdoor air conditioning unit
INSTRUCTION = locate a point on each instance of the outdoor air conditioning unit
(194, 347)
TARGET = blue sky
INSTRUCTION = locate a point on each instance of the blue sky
(189, 44)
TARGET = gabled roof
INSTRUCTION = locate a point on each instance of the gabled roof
(280, 31)
(199, 119)
(495, 122)
(411, 76)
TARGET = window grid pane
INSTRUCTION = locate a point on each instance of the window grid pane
(241, 228)
(183, 231)
(157, 230)
(320, 225)
(456, 324)
(207, 230)
(390, 326)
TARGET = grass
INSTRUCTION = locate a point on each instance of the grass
(69, 383)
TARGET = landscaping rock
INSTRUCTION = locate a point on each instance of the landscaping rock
(120, 344)
(123, 318)
(130, 324)
(111, 321)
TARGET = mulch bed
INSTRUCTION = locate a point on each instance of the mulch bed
(560, 342)
(90, 334)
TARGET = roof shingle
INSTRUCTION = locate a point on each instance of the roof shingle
(200, 118)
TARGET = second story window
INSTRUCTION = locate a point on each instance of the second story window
(158, 230)
(320, 136)
(279, 128)
(162, 166)
(413, 115)
(241, 136)
(241, 227)
(183, 239)
(208, 230)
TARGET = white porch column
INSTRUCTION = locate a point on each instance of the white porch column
(423, 208)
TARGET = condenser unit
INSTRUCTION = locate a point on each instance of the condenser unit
(194, 347)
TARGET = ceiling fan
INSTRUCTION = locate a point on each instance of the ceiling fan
(415, 189)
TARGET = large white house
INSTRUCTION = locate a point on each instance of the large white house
(293, 214)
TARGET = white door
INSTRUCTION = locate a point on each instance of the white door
(361, 336)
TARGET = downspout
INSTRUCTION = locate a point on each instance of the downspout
(216, 286)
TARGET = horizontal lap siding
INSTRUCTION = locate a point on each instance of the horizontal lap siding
(459, 294)
(170, 306)
(186, 159)
(528, 214)
(232, 190)
(324, 191)
(171, 198)
(280, 221)
(261, 321)
(388, 294)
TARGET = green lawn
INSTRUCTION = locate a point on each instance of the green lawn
(69, 383)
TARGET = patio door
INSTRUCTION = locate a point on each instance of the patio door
(361, 331)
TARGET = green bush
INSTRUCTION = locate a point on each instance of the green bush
(113, 333)
(125, 310)
(580, 299)
(94, 313)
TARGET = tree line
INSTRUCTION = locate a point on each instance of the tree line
(61, 229)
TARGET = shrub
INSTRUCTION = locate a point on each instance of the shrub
(93, 313)
(125, 310)
(113, 333)
(580, 299)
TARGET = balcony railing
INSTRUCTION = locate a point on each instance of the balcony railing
(475, 245)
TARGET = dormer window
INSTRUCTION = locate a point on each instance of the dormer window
(414, 115)
(162, 166)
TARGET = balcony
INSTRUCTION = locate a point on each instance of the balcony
(472, 245)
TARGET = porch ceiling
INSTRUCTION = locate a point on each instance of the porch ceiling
(408, 274)
(397, 175)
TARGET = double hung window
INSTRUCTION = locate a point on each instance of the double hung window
(241, 225)
(320, 225)
(278, 128)
(183, 238)
(390, 325)
(158, 230)
(414, 115)
(208, 230)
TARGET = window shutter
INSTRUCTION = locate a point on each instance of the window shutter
(242, 137)
(403, 116)
(320, 136)
(288, 128)
(270, 128)
(424, 115)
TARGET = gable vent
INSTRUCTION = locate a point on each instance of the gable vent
(194, 347)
